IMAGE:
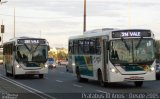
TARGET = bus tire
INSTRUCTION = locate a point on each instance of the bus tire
(15, 76)
(100, 79)
(7, 74)
(138, 83)
(80, 79)
(78, 75)
(67, 68)
(12, 73)
(41, 75)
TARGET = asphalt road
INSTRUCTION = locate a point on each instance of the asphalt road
(59, 84)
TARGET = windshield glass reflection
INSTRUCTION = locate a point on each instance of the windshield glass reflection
(138, 50)
(30, 53)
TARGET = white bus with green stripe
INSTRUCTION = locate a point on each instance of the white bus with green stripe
(113, 55)
(25, 56)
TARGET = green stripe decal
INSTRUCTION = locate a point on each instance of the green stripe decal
(85, 64)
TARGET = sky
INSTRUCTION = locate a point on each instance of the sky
(57, 20)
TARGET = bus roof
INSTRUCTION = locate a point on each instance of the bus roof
(100, 32)
(24, 37)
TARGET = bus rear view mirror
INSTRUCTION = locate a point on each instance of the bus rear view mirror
(48, 47)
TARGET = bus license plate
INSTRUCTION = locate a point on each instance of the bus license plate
(32, 72)
(136, 78)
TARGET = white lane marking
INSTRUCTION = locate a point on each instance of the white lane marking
(24, 88)
(59, 81)
(77, 85)
(27, 87)
(101, 91)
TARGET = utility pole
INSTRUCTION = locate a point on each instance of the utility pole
(2, 35)
(2, 26)
(84, 24)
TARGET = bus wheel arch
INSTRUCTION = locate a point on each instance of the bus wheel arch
(80, 79)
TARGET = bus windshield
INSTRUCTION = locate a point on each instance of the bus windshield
(132, 51)
(32, 53)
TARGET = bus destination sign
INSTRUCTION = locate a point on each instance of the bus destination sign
(131, 33)
(31, 41)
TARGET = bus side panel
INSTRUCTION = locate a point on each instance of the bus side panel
(97, 64)
(8, 62)
(85, 64)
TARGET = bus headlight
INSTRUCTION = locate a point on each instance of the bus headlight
(152, 69)
(46, 65)
(18, 66)
(114, 70)
(73, 64)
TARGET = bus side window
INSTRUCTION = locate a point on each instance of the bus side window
(44, 54)
(25, 57)
(80, 47)
(70, 47)
(86, 47)
(75, 44)
(19, 56)
(114, 54)
(98, 46)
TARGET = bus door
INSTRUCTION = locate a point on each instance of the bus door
(105, 60)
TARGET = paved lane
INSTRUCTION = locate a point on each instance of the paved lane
(58, 82)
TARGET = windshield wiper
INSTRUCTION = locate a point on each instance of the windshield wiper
(125, 44)
(139, 42)
(27, 47)
(35, 48)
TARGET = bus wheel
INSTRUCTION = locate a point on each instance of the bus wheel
(80, 79)
(41, 75)
(78, 75)
(14, 75)
(7, 74)
(67, 68)
(138, 83)
(100, 79)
